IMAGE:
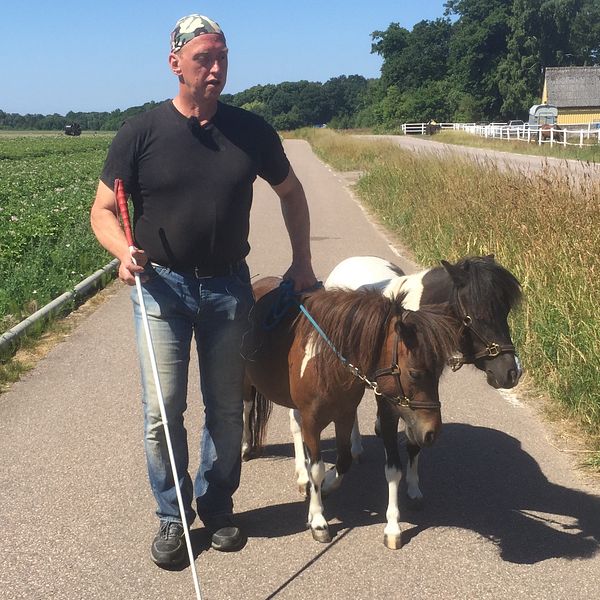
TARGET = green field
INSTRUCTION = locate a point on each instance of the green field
(47, 184)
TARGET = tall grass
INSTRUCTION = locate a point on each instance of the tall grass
(544, 228)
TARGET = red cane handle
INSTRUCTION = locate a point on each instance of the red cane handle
(122, 204)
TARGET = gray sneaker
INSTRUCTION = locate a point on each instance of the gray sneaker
(168, 546)
(225, 535)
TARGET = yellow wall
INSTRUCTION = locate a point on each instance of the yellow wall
(569, 116)
(544, 99)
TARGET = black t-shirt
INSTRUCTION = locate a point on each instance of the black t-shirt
(191, 186)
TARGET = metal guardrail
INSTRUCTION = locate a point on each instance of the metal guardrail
(10, 336)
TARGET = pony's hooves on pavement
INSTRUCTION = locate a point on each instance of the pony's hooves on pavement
(393, 542)
(321, 535)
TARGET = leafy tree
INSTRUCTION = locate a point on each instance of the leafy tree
(477, 45)
(389, 45)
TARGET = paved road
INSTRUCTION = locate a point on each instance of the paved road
(507, 513)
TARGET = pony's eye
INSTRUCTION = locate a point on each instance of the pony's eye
(415, 374)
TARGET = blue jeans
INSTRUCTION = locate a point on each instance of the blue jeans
(215, 310)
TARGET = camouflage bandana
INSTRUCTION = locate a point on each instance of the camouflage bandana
(187, 28)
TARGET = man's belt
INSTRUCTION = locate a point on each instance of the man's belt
(202, 271)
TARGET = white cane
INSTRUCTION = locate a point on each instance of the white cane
(122, 204)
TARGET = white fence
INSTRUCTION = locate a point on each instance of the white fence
(423, 128)
(585, 134)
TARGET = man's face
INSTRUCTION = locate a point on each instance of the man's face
(201, 66)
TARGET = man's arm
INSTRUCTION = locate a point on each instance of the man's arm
(106, 227)
(297, 221)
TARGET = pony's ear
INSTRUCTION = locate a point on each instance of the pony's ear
(458, 275)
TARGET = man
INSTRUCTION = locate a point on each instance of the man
(189, 166)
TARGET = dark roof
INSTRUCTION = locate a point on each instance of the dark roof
(573, 86)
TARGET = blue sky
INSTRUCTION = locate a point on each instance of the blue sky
(97, 56)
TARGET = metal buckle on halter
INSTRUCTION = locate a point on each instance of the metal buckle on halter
(455, 362)
(467, 321)
(404, 402)
(493, 349)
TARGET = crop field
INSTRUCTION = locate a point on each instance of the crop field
(546, 230)
(47, 184)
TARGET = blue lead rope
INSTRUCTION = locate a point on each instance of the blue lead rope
(288, 298)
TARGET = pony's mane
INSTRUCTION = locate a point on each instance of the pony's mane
(490, 287)
(355, 321)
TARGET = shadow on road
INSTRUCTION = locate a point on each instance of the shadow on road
(474, 478)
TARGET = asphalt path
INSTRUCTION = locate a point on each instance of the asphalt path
(507, 513)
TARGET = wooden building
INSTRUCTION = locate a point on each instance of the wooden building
(575, 91)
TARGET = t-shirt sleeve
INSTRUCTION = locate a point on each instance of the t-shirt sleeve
(275, 165)
(120, 160)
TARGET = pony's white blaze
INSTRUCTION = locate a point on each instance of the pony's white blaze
(309, 352)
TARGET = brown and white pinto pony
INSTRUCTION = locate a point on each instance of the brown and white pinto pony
(401, 352)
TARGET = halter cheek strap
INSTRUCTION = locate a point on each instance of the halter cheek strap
(491, 350)
(401, 399)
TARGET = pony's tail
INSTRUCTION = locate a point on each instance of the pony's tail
(259, 417)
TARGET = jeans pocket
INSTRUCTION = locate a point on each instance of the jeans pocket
(239, 288)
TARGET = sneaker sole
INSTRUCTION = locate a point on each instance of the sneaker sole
(164, 562)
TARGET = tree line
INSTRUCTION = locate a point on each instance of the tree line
(482, 60)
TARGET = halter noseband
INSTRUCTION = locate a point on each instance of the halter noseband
(492, 349)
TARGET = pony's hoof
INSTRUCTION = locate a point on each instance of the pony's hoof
(303, 489)
(393, 542)
(321, 535)
(246, 456)
(415, 503)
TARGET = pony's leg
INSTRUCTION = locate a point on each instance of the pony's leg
(377, 427)
(300, 459)
(316, 473)
(415, 497)
(356, 441)
(393, 474)
(246, 435)
(333, 477)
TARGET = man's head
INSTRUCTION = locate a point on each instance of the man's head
(187, 28)
(199, 57)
